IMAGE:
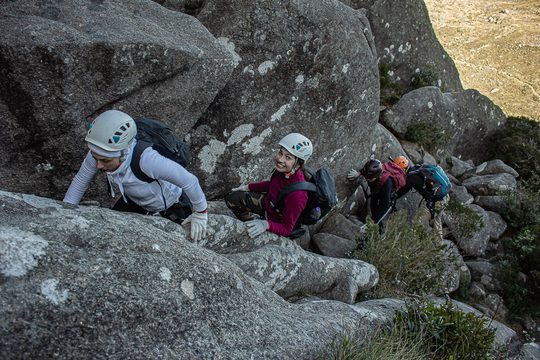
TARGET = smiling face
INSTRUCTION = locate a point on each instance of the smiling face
(106, 164)
(284, 161)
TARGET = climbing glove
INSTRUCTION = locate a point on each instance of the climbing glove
(241, 188)
(198, 222)
(352, 175)
(256, 227)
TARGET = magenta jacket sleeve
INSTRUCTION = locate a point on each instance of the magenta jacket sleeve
(260, 187)
(295, 203)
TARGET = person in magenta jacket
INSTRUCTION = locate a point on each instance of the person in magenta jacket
(255, 202)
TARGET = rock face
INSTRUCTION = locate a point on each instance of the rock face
(334, 246)
(472, 238)
(456, 275)
(495, 167)
(302, 66)
(191, 7)
(492, 203)
(339, 225)
(384, 145)
(487, 185)
(460, 167)
(530, 351)
(87, 282)
(460, 194)
(465, 119)
(407, 44)
(235, 82)
(82, 57)
(286, 268)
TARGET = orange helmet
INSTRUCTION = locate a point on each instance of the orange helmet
(402, 162)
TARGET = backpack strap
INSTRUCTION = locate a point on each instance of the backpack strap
(300, 185)
(135, 166)
(135, 163)
(393, 171)
(427, 173)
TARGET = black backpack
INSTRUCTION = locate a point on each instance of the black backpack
(322, 195)
(161, 138)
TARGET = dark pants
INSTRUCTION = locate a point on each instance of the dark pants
(250, 206)
(373, 202)
(176, 213)
(246, 205)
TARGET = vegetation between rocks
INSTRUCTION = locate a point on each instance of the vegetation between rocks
(423, 330)
(518, 145)
(519, 269)
(391, 91)
(429, 135)
(385, 344)
(468, 221)
(425, 77)
(408, 258)
(448, 332)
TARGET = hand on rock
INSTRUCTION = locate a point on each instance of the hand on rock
(352, 175)
(199, 223)
(256, 227)
(241, 188)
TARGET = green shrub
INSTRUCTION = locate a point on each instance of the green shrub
(518, 145)
(513, 289)
(408, 258)
(448, 332)
(468, 221)
(392, 344)
(430, 136)
(521, 293)
(421, 331)
(391, 91)
(523, 207)
(525, 243)
(426, 77)
(345, 348)
(523, 216)
(521, 251)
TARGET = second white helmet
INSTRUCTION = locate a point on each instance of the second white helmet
(298, 145)
(113, 130)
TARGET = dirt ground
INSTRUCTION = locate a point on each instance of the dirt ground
(495, 45)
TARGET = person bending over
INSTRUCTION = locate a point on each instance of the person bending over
(111, 141)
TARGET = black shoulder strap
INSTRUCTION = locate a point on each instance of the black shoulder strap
(300, 185)
(135, 166)
(136, 160)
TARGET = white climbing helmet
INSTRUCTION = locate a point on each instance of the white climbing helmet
(298, 145)
(113, 130)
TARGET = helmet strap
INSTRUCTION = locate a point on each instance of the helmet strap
(124, 154)
(294, 169)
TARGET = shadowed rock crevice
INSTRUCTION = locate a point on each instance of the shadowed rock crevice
(19, 103)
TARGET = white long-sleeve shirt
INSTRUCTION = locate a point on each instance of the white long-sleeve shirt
(172, 177)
